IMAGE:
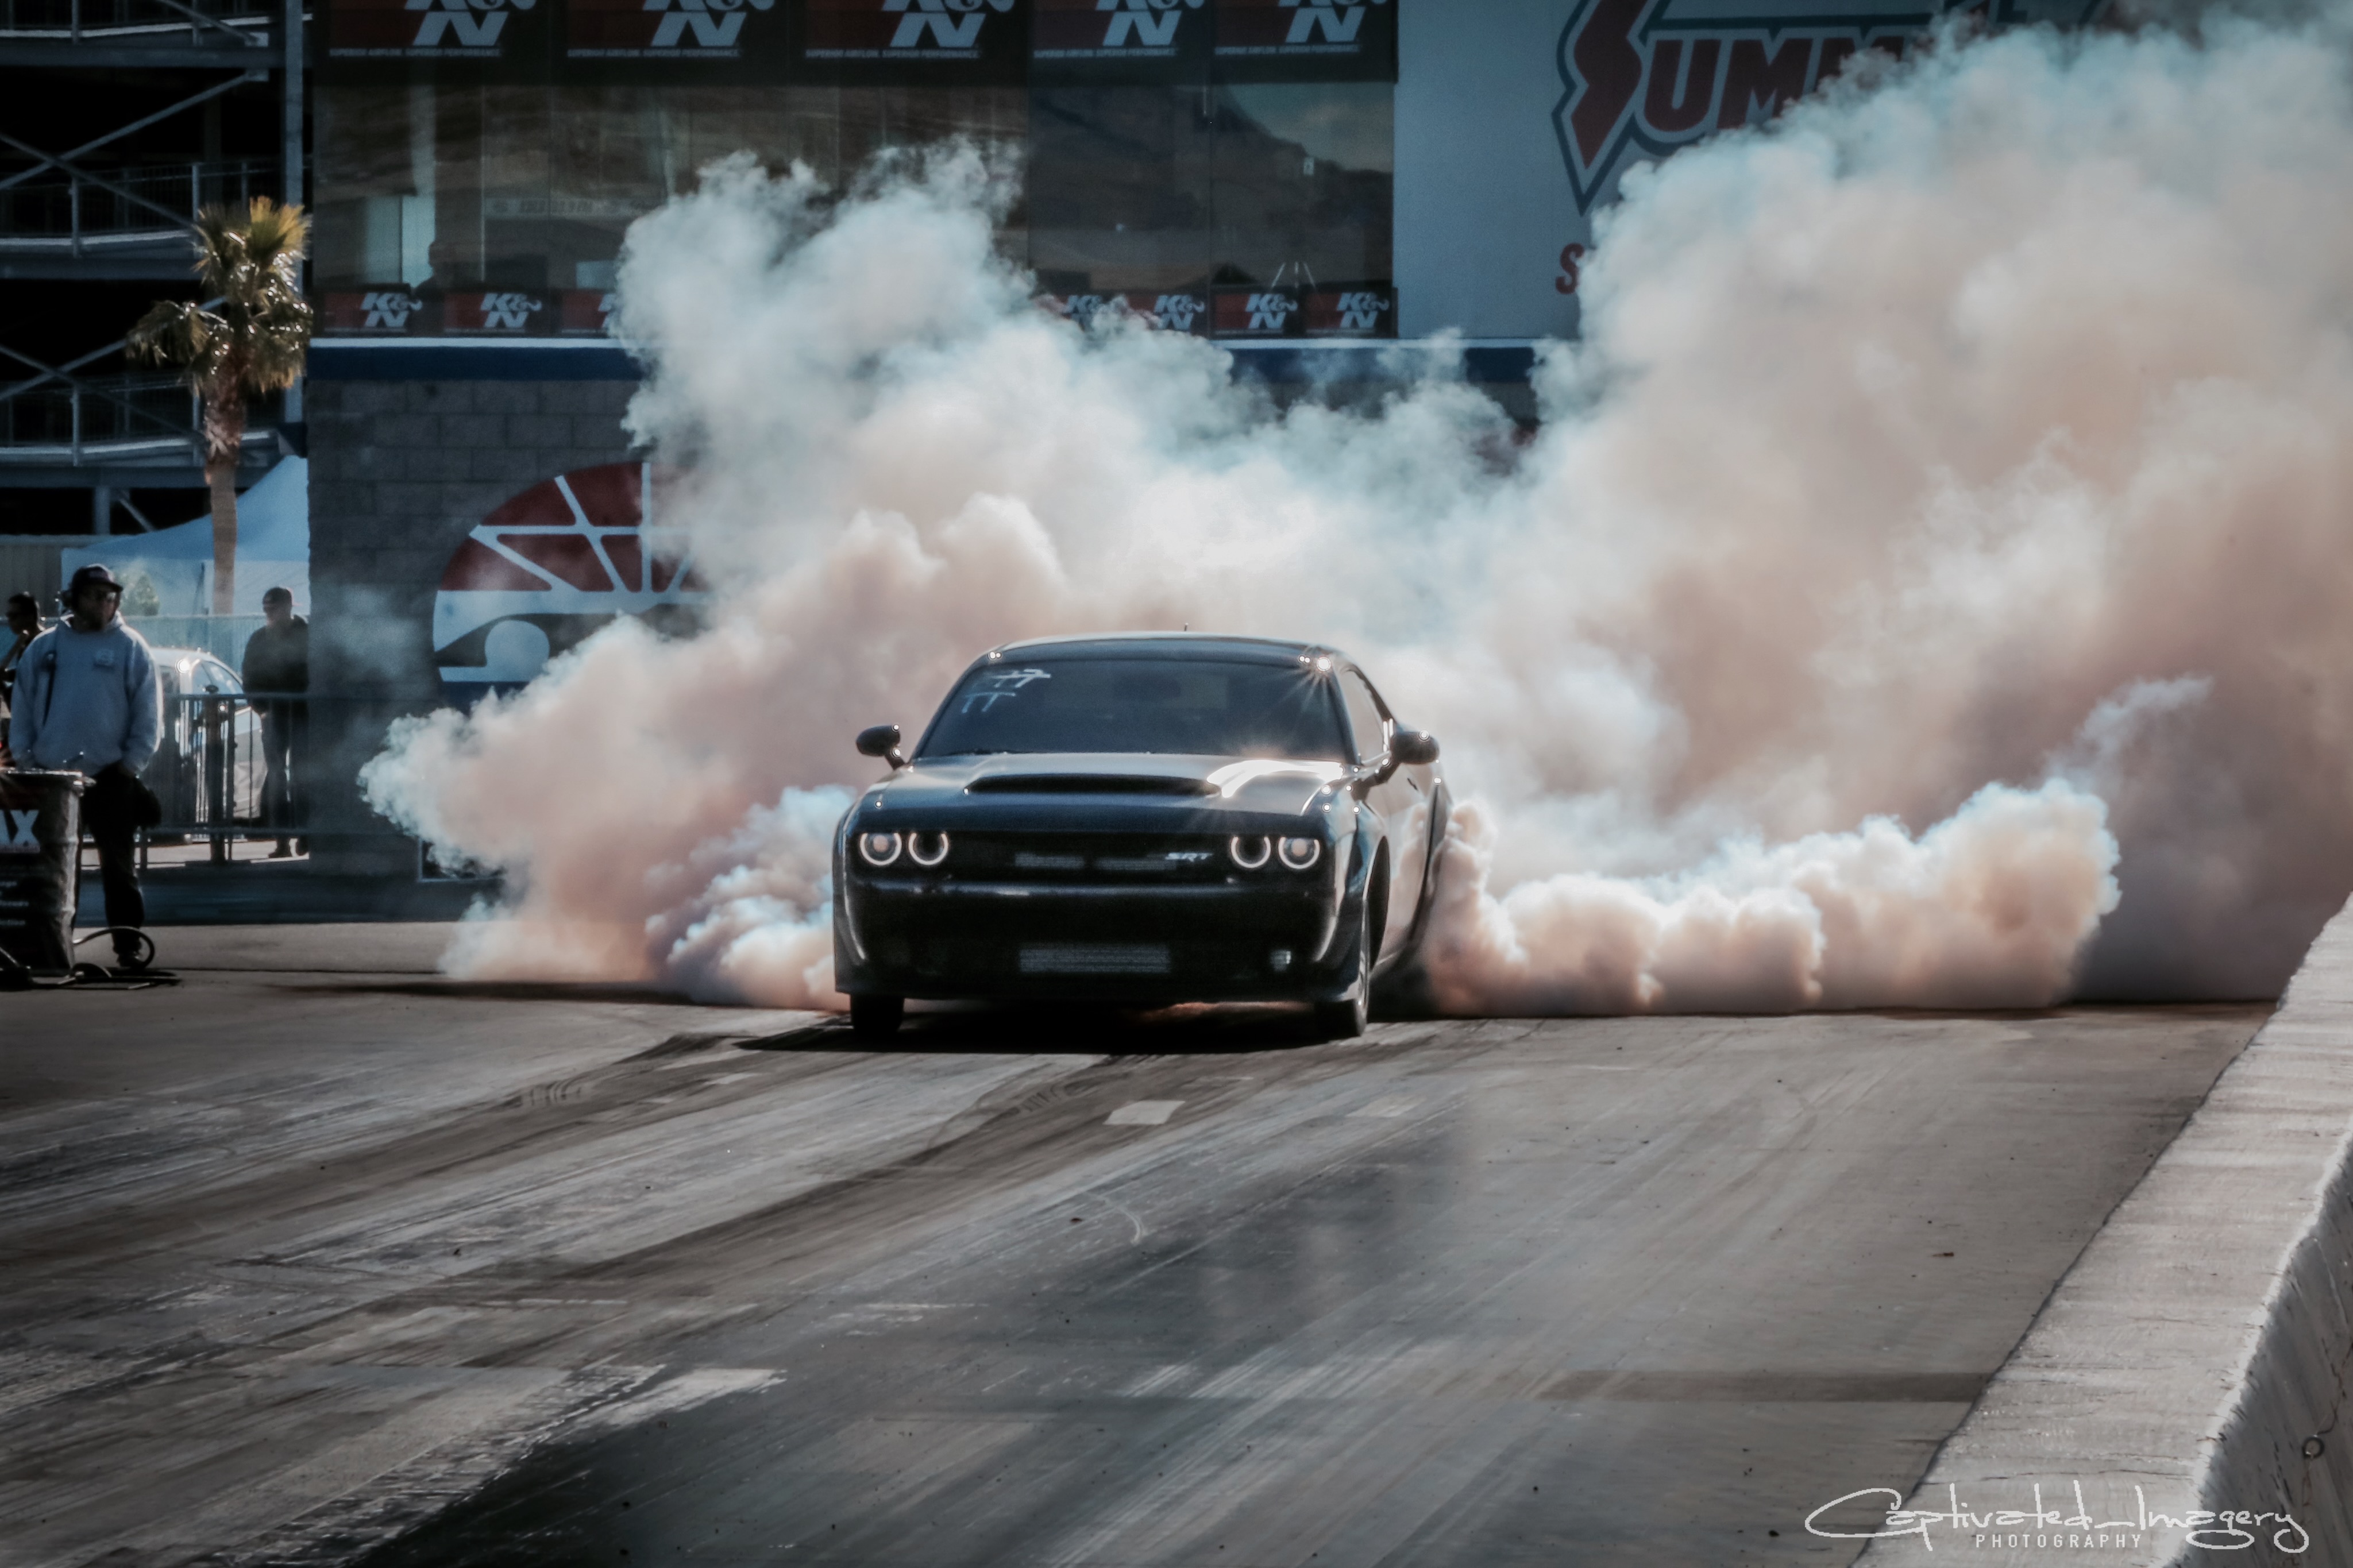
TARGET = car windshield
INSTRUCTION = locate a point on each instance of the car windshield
(1204, 707)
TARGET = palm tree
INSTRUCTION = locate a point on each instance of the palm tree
(247, 342)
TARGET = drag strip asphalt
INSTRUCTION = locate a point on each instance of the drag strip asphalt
(307, 1266)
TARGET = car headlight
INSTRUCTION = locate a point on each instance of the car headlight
(1249, 854)
(927, 848)
(1301, 853)
(878, 848)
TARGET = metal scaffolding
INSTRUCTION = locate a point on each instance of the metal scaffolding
(81, 214)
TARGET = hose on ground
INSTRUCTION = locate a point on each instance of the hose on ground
(15, 974)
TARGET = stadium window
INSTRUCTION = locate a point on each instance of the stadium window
(1302, 182)
(1118, 189)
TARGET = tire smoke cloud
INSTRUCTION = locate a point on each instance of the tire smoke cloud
(1925, 585)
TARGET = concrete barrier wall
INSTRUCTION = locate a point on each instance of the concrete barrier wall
(2195, 1359)
(2285, 1436)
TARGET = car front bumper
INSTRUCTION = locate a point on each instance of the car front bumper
(1010, 940)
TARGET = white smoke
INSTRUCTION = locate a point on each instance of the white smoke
(1986, 908)
(1967, 450)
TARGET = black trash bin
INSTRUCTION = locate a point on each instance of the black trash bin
(40, 860)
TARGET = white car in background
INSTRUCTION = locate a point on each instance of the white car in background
(208, 766)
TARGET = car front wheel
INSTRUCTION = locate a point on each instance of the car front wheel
(1345, 1020)
(876, 1017)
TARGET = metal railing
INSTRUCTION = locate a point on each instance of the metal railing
(67, 211)
(211, 21)
(132, 410)
(212, 770)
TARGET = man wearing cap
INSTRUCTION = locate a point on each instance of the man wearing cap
(88, 702)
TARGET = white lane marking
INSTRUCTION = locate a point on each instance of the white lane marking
(1388, 1105)
(1143, 1113)
(1159, 1379)
(687, 1389)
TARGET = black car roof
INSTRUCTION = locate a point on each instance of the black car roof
(1168, 645)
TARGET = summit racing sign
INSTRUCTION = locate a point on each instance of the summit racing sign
(1494, 211)
(1642, 77)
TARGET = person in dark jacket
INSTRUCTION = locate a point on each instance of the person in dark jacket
(277, 663)
(24, 626)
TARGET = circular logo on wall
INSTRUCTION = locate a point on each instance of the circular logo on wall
(551, 566)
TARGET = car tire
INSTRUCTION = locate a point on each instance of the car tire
(876, 1017)
(1346, 1020)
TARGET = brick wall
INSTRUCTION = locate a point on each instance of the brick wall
(399, 471)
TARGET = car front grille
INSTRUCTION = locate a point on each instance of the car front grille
(1095, 958)
(976, 965)
(1086, 858)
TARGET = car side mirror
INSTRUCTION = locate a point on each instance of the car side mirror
(1413, 748)
(882, 740)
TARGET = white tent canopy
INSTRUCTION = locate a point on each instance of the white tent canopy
(273, 550)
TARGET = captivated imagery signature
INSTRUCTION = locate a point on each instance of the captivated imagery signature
(2042, 1527)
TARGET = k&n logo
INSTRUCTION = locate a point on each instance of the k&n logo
(1338, 20)
(1269, 313)
(387, 311)
(710, 32)
(20, 839)
(952, 23)
(1151, 23)
(1360, 311)
(443, 17)
(1178, 313)
(508, 312)
(1167, 312)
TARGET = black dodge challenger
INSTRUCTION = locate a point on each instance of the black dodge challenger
(1142, 819)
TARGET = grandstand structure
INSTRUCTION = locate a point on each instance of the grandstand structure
(123, 118)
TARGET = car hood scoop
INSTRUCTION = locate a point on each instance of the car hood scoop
(1150, 782)
(1089, 784)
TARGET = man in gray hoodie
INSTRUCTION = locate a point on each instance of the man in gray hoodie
(88, 702)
